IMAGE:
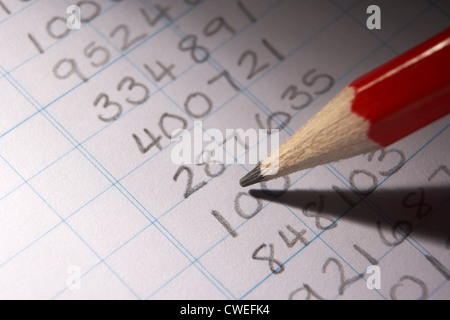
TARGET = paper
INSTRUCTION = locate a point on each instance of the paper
(93, 207)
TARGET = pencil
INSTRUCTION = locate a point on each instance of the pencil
(374, 111)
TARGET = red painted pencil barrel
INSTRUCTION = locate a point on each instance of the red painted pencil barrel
(406, 93)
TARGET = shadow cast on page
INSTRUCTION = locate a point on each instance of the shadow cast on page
(426, 209)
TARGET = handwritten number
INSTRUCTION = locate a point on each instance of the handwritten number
(106, 105)
(132, 84)
(189, 188)
(126, 41)
(275, 266)
(254, 67)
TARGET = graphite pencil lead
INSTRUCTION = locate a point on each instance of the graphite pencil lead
(252, 177)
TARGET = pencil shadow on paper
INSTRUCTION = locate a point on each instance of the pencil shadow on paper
(425, 210)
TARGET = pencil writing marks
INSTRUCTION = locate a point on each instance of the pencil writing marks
(363, 182)
(103, 55)
(190, 44)
(225, 223)
(35, 43)
(4, 8)
(163, 71)
(416, 200)
(383, 153)
(442, 168)
(313, 85)
(344, 282)
(161, 14)
(123, 35)
(107, 104)
(439, 266)
(251, 211)
(133, 92)
(190, 188)
(397, 233)
(275, 266)
(407, 286)
(297, 236)
(315, 209)
(226, 75)
(310, 293)
(250, 59)
(152, 141)
(216, 25)
(71, 68)
(366, 255)
(97, 56)
(277, 120)
(137, 76)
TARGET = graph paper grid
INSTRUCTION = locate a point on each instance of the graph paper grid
(74, 194)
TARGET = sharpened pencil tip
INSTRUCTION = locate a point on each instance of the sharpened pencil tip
(252, 177)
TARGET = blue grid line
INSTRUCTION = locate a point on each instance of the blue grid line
(170, 209)
(410, 238)
(105, 258)
(382, 44)
(363, 60)
(77, 281)
(58, 41)
(373, 34)
(436, 6)
(295, 254)
(105, 67)
(317, 235)
(74, 232)
(270, 9)
(10, 79)
(235, 229)
(439, 287)
(185, 71)
(180, 108)
(334, 221)
(244, 89)
(2, 264)
(387, 219)
(161, 89)
(128, 111)
(130, 194)
(18, 12)
(93, 163)
(131, 109)
(123, 244)
(245, 221)
(115, 184)
(378, 210)
(404, 163)
(24, 183)
(333, 250)
(113, 179)
(178, 32)
(258, 103)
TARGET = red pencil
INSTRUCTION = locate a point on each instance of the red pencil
(374, 111)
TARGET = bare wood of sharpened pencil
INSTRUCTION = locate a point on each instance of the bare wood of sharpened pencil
(334, 133)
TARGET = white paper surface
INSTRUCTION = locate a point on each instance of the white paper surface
(85, 214)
